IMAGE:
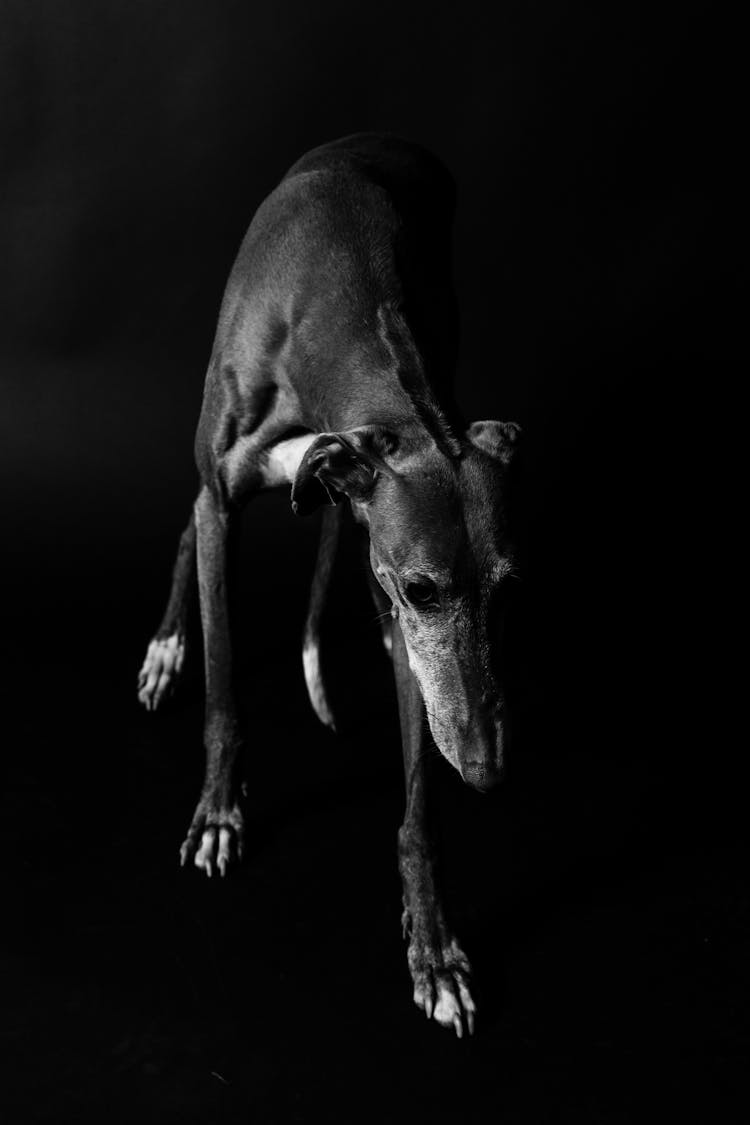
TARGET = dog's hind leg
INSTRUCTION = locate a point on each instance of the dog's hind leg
(329, 537)
(166, 651)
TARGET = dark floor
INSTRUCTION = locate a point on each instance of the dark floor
(602, 893)
(602, 897)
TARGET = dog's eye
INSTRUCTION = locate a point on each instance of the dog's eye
(421, 592)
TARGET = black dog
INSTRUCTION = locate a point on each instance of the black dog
(330, 373)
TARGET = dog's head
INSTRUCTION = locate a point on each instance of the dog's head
(439, 548)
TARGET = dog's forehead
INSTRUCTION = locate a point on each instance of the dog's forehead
(417, 522)
(438, 513)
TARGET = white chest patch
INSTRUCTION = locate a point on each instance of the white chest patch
(283, 459)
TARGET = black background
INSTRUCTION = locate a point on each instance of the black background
(602, 892)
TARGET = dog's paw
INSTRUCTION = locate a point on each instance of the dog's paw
(442, 984)
(215, 838)
(161, 669)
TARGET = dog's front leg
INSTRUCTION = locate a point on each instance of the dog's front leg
(215, 836)
(439, 967)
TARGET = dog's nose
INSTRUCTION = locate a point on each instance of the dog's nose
(482, 776)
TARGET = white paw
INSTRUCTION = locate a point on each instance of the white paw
(215, 839)
(442, 988)
(161, 668)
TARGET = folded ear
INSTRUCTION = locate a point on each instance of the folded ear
(498, 439)
(338, 465)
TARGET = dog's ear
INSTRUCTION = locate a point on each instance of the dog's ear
(338, 465)
(498, 439)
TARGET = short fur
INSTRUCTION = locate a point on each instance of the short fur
(331, 372)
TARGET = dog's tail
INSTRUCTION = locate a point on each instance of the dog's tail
(329, 538)
(166, 652)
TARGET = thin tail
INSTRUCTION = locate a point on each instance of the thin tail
(329, 538)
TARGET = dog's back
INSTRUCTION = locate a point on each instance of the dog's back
(356, 225)
(420, 186)
(412, 195)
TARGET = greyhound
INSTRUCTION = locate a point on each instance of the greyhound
(330, 373)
